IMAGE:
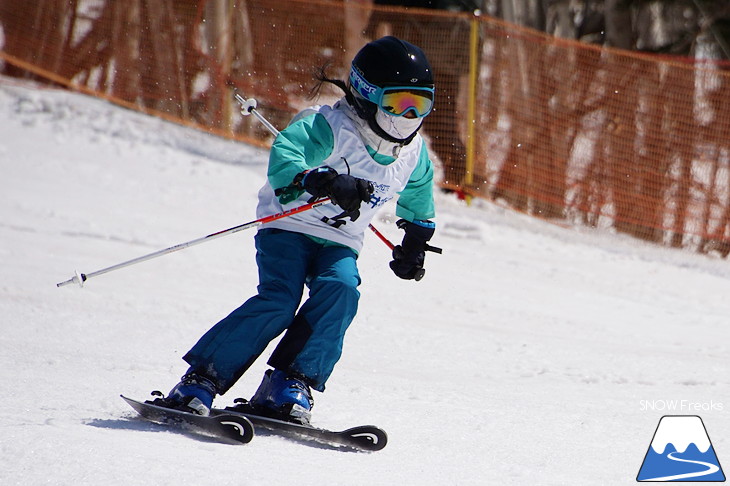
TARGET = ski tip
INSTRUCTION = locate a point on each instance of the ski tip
(367, 437)
(235, 427)
(229, 427)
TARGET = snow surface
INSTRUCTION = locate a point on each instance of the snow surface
(530, 353)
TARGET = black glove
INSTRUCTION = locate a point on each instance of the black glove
(345, 191)
(408, 257)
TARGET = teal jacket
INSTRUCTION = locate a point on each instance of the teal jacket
(309, 140)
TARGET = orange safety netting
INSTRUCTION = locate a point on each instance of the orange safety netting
(555, 128)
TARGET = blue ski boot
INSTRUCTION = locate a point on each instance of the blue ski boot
(193, 394)
(284, 397)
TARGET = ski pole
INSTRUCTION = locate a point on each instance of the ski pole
(248, 106)
(80, 278)
(382, 237)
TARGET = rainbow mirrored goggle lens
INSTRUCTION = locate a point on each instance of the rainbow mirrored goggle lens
(402, 100)
(395, 100)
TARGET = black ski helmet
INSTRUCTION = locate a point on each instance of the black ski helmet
(388, 61)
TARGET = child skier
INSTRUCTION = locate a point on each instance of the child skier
(361, 152)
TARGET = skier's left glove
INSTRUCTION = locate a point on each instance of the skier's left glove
(408, 257)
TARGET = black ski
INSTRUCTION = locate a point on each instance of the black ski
(363, 437)
(229, 427)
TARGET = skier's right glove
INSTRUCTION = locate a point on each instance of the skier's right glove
(408, 257)
(346, 191)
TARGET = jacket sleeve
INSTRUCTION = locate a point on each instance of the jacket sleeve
(303, 145)
(415, 202)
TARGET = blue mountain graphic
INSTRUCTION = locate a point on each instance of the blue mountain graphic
(662, 465)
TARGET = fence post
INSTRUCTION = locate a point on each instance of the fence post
(471, 101)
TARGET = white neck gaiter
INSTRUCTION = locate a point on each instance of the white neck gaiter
(370, 138)
(397, 126)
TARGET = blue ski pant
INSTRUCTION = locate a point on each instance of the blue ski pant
(312, 344)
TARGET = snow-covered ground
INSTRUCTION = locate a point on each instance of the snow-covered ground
(529, 354)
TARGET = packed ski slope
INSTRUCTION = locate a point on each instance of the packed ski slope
(528, 355)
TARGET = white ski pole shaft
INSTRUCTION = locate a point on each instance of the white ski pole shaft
(80, 278)
(248, 106)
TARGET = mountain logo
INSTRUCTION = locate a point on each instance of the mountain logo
(681, 451)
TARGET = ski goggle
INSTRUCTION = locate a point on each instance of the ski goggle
(400, 100)
(395, 100)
